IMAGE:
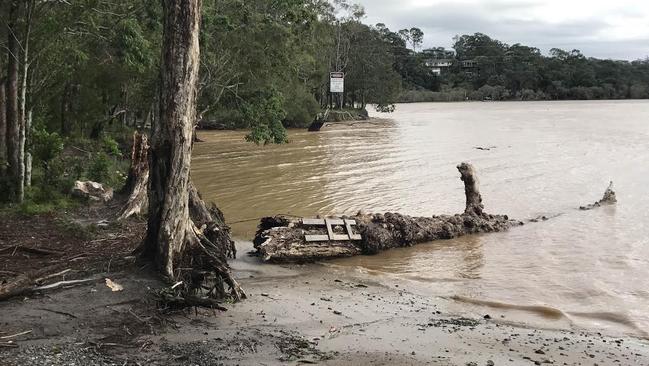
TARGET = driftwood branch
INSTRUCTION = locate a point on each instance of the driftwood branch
(284, 239)
(609, 198)
(23, 283)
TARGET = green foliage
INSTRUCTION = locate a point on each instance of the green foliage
(266, 113)
(100, 168)
(133, 48)
(33, 207)
(46, 146)
(300, 107)
(111, 146)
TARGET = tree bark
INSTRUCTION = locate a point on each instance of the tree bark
(25, 120)
(66, 106)
(282, 239)
(174, 241)
(14, 125)
(471, 189)
(28, 155)
(3, 127)
(138, 178)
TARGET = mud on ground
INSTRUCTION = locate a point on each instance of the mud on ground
(294, 315)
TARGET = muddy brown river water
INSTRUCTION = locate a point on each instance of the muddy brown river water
(580, 269)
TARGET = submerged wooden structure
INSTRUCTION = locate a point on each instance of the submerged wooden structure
(290, 239)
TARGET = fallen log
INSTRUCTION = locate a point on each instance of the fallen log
(23, 283)
(288, 239)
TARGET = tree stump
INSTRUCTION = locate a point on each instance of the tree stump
(137, 183)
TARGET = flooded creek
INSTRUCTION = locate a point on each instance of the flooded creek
(584, 268)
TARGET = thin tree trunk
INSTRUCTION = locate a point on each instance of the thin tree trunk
(174, 241)
(65, 109)
(3, 127)
(13, 117)
(24, 130)
(28, 155)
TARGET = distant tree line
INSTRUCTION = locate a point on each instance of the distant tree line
(485, 68)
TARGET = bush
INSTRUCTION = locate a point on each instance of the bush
(301, 108)
(639, 91)
(224, 119)
(111, 147)
(266, 113)
(46, 146)
(100, 168)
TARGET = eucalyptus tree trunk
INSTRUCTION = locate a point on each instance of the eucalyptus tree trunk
(24, 115)
(15, 128)
(180, 249)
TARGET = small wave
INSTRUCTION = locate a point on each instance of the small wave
(615, 318)
(544, 311)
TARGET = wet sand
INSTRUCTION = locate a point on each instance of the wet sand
(294, 314)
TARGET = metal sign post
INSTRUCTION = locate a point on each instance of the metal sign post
(337, 85)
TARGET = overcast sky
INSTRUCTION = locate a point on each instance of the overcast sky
(617, 29)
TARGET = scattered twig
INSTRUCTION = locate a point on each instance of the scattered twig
(52, 275)
(99, 344)
(16, 335)
(63, 283)
(41, 251)
(77, 256)
(79, 149)
(8, 344)
(59, 312)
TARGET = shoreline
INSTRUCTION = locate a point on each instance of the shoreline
(294, 314)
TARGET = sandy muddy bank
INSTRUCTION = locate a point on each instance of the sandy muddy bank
(295, 314)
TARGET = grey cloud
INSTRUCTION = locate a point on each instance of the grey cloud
(442, 21)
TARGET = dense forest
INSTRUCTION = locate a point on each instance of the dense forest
(78, 77)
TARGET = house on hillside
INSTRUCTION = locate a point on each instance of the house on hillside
(469, 64)
(437, 65)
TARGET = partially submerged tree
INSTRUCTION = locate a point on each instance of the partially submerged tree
(185, 239)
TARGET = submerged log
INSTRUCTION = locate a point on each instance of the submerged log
(286, 239)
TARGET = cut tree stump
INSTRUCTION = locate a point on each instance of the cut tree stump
(287, 239)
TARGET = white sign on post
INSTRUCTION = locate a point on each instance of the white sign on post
(337, 82)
